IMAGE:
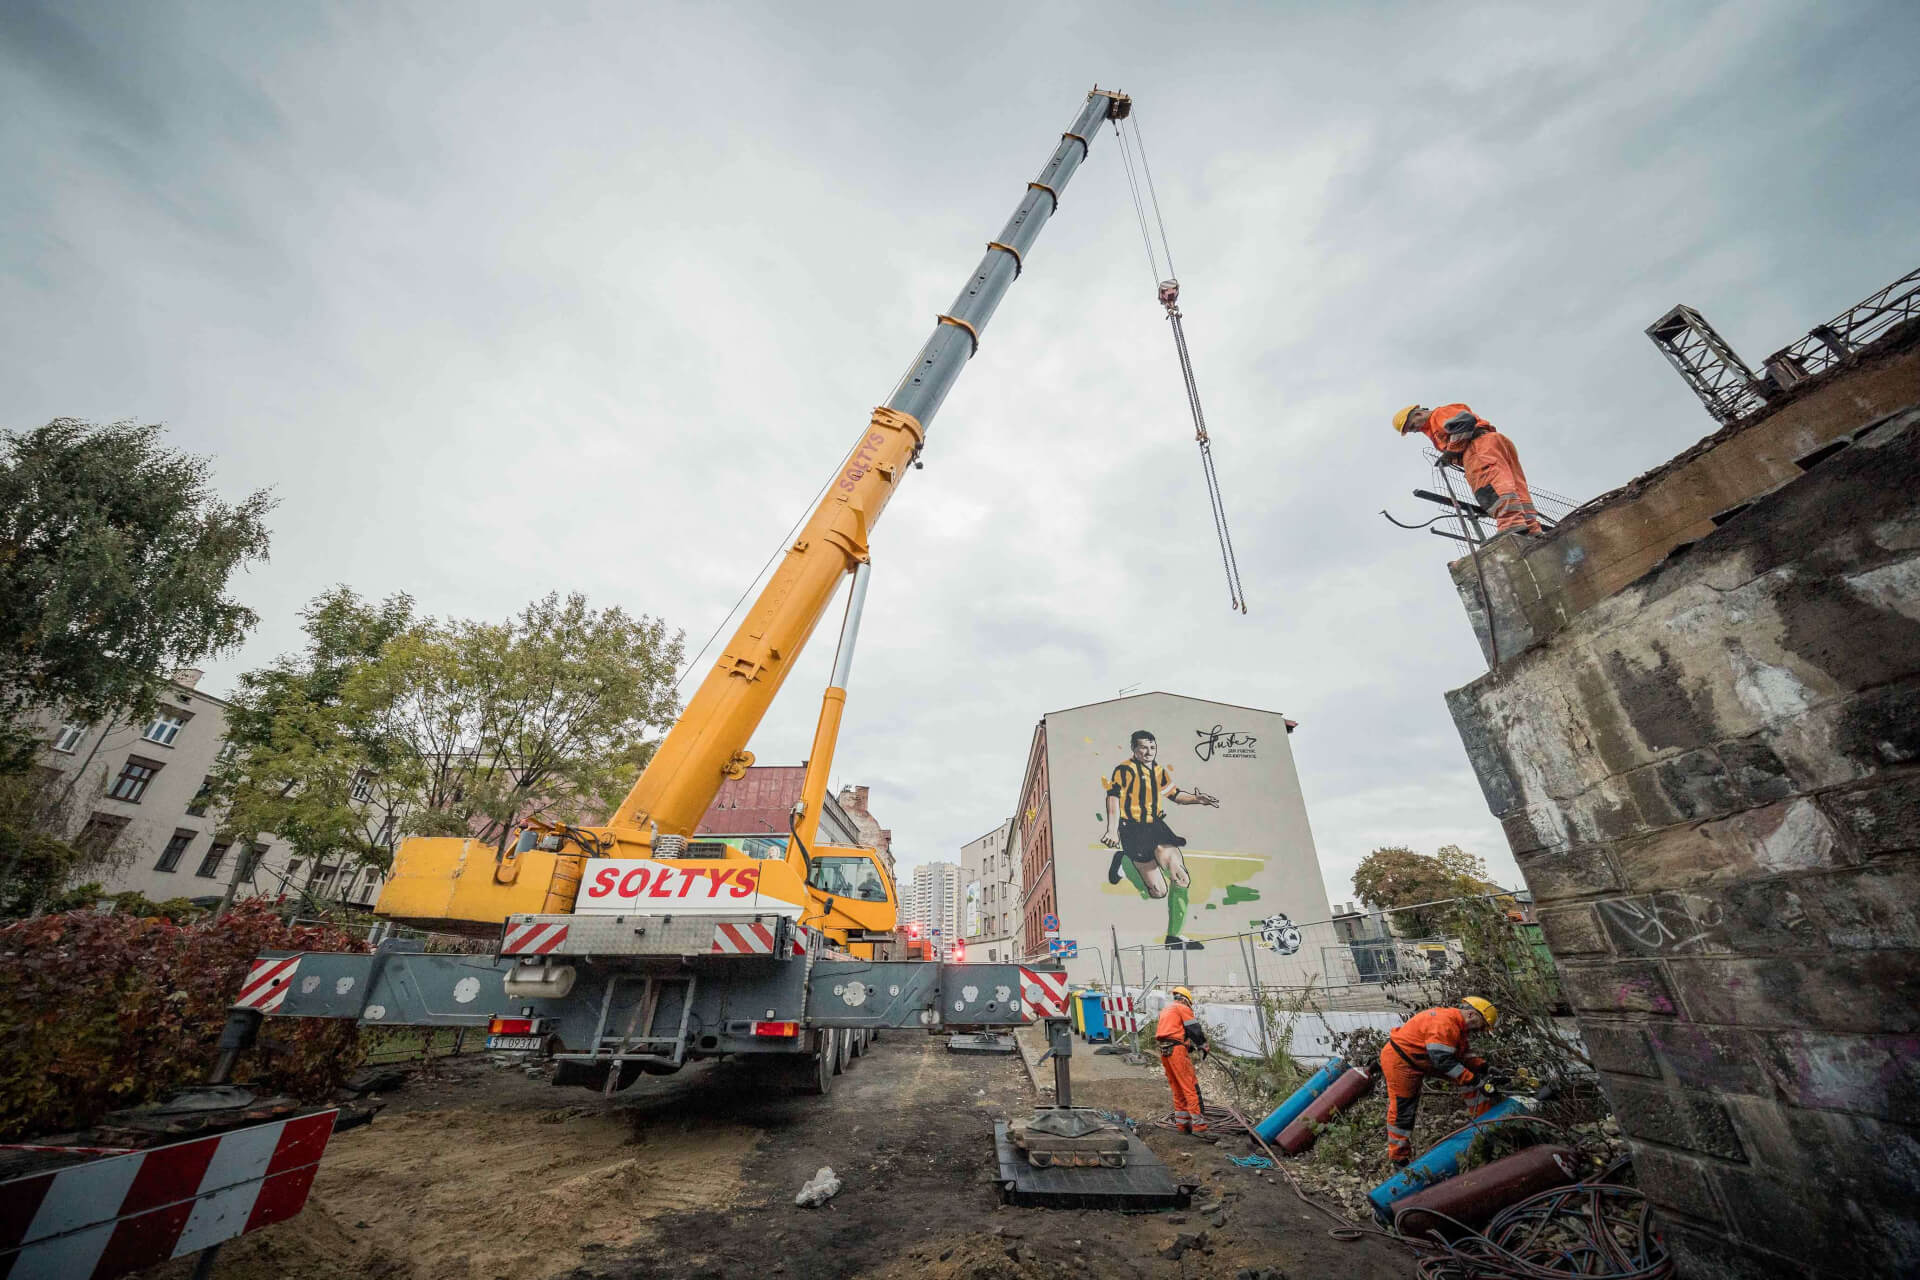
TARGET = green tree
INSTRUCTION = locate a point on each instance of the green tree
(308, 764)
(548, 714)
(1396, 878)
(114, 560)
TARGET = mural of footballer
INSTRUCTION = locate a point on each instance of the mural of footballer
(1149, 852)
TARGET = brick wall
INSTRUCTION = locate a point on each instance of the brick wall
(1711, 780)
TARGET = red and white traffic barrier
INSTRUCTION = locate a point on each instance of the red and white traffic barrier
(749, 939)
(1120, 1013)
(267, 984)
(536, 939)
(1045, 993)
(107, 1217)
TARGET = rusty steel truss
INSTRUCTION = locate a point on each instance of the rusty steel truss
(1732, 391)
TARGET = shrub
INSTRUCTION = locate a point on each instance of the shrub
(111, 1011)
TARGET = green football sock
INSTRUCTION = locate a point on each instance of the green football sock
(1176, 910)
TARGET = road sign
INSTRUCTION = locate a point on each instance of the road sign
(1051, 923)
(1064, 948)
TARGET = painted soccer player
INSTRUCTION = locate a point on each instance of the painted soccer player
(1149, 852)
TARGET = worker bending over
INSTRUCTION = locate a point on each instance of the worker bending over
(1433, 1042)
(1177, 1034)
(1492, 466)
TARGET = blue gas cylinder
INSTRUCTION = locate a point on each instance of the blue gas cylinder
(1286, 1112)
(1439, 1163)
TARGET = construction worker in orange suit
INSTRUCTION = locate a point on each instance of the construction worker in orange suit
(1433, 1042)
(1177, 1035)
(1488, 458)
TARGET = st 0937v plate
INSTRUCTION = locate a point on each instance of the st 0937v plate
(513, 1042)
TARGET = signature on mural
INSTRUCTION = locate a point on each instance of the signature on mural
(1224, 742)
(1278, 933)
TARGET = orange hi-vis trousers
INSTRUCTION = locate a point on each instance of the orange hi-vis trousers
(1403, 1102)
(1187, 1114)
(1498, 483)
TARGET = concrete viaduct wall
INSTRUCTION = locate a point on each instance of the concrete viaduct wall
(1710, 776)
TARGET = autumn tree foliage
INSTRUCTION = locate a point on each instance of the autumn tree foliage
(110, 1011)
(1396, 878)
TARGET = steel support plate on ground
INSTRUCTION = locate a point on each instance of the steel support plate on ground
(1141, 1183)
(987, 1042)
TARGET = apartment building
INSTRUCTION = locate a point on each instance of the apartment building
(933, 899)
(137, 795)
(990, 872)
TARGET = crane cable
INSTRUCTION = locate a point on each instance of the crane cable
(1167, 289)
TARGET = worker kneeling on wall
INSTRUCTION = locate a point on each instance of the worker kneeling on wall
(1433, 1042)
(1177, 1035)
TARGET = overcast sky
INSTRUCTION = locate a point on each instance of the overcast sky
(501, 299)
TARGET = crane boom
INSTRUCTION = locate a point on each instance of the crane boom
(708, 742)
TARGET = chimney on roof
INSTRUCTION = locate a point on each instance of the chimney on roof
(188, 676)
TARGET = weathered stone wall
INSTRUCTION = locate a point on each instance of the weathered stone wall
(1711, 780)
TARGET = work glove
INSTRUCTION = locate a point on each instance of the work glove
(1488, 1091)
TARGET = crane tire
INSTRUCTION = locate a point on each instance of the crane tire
(813, 1074)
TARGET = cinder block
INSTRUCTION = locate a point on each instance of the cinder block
(1880, 818)
(1571, 931)
(1704, 1255)
(1570, 873)
(1877, 1076)
(1719, 1059)
(1831, 1234)
(1674, 1117)
(1658, 924)
(1871, 992)
(1620, 1048)
(1676, 1182)
(1624, 986)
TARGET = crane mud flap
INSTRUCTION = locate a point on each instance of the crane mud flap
(914, 993)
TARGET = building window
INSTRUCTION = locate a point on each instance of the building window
(99, 833)
(69, 737)
(164, 728)
(323, 881)
(197, 807)
(133, 780)
(256, 854)
(228, 750)
(362, 788)
(176, 848)
(388, 830)
(210, 865)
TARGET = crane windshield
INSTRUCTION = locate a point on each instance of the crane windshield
(848, 878)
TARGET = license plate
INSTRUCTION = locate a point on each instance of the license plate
(513, 1042)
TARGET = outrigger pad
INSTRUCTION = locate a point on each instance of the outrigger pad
(1140, 1183)
(982, 1042)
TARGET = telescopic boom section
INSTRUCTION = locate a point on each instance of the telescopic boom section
(708, 743)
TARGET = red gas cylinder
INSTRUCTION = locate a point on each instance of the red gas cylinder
(1473, 1198)
(1340, 1095)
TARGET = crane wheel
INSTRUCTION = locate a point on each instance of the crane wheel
(857, 1043)
(813, 1075)
(842, 1048)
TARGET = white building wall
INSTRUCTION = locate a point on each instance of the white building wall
(139, 783)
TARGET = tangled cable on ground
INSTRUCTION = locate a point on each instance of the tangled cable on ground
(1219, 1120)
(1590, 1229)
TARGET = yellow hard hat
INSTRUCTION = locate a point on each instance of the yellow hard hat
(1181, 993)
(1400, 419)
(1483, 1007)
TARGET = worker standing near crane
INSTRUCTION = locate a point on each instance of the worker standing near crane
(1433, 1042)
(1488, 458)
(1178, 1035)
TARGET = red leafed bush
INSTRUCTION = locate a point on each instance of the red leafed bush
(110, 1011)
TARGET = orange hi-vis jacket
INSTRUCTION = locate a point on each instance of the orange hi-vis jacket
(1434, 1042)
(1452, 427)
(1493, 469)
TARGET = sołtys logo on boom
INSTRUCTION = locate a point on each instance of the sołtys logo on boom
(654, 880)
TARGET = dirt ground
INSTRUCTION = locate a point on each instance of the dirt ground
(484, 1173)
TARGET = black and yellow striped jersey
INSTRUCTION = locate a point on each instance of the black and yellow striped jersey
(1138, 787)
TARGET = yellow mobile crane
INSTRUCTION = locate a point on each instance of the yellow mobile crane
(633, 946)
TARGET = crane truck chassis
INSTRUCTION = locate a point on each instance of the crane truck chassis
(609, 998)
(635, 946)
